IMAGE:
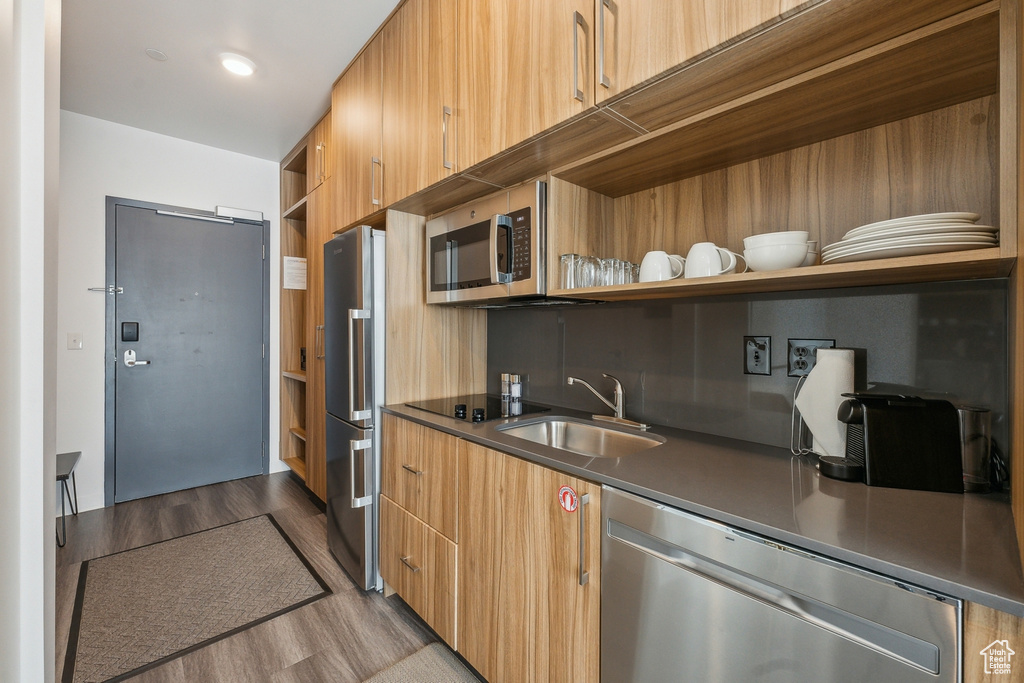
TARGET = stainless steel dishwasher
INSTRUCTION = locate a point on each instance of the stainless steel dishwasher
(687, 599)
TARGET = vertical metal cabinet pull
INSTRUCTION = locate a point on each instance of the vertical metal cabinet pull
(446, 114)
(601, 6)
(577, 21)
(374, 161)
(405, 561)
(319, 342)
(364, 413)
(584, 575)
(364, 445)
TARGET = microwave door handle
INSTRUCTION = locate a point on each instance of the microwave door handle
(451, 249)
(497, 276)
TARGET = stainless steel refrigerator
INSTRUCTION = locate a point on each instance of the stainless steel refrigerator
(354, 348)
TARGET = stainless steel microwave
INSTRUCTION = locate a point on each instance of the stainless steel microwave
(490, 250)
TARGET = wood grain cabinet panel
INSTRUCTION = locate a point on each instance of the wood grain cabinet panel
(638, 39)
(522, 613)
(419, 129)
(319, 153)
(356, 115)
(419, 564)
(319, 221)
(419, 472)
(523, 67)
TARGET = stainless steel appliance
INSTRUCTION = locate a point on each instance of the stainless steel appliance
(490, 250)
(687, 599)
(354, 349)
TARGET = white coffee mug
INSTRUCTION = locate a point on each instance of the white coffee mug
(659, 265)
(705, 259)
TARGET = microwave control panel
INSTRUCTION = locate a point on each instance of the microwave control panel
(521, 244)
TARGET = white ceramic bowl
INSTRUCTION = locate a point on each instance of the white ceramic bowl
(770, 238)
(775, 256)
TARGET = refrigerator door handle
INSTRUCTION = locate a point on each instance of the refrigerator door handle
(366, 413)
(364, 445)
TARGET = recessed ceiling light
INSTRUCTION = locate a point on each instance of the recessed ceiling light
(156, 54)
(237, 64)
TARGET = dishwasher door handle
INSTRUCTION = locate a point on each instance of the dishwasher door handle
(890, 642)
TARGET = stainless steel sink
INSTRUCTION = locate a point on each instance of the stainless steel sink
(582, 437)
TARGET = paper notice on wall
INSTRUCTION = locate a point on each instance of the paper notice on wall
(293, 274)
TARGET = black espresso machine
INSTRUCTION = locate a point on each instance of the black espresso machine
(902, 442)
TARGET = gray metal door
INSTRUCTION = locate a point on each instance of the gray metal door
(188, 342)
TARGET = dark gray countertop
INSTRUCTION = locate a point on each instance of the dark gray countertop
(961, 545)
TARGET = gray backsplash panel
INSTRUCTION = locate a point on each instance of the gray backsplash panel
(681, 362)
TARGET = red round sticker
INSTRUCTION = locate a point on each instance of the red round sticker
(567, 498)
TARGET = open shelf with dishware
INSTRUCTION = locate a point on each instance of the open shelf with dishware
(941, 160)
(909, 126)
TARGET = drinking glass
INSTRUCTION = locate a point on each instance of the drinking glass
(587, 271)
(607, 276)
(567, 272)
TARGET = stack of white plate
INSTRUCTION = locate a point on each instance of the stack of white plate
(911, 236)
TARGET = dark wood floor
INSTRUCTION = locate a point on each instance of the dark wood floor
(347, 636)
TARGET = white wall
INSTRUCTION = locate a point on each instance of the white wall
(29, 139)
(99, 159)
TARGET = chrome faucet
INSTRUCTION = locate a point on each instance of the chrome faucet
(618, 407)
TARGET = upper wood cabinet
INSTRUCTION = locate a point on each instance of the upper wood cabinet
(639, 39)
(529, 585)
(419, 97)
(522, 68)
(356, 112)
(319, 157)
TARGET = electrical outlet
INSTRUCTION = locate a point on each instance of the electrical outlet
(803, 353)
(757, 355)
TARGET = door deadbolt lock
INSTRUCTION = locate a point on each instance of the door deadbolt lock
(129, 359)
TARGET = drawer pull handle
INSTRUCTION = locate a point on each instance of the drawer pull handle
(405, 561)
(407, 468)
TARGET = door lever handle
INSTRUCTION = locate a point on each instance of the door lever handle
(129, 359)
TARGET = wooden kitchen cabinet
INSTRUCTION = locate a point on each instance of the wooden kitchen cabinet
(523, 67)
(418, 518)
(356, 113)
(318, 231)
(523, 614)
(419, 124)
(320, 162)
(419, 564)
(637, 40)
(419, 471)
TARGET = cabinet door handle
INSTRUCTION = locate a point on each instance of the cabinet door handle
(319, 342)
(407, 468)
(601, 6)
(584, 575)
(577, 21)
(374, 199)
(446, 115)
(405, 561)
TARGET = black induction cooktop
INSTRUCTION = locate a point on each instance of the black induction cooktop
(477, 408)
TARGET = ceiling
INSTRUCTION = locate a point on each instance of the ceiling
(299, 47)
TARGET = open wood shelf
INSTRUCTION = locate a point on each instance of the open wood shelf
(298, 376)
(297, 211)
(298, 466)
(961, 265)
(298, 432)
(951, 61)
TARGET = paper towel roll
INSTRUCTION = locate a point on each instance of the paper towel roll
(819, 399)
